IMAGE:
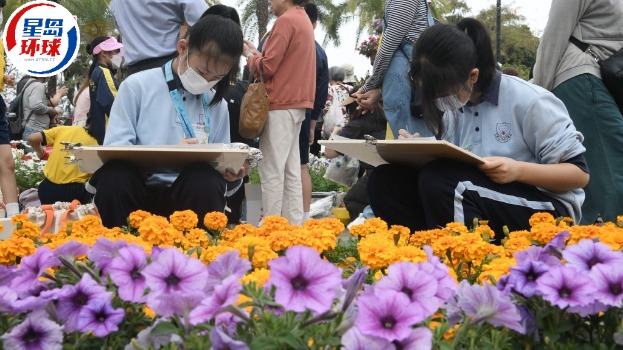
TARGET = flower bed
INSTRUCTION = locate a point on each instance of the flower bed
(165, 283)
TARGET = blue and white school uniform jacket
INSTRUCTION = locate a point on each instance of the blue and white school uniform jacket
(522, 121)
(143, 114)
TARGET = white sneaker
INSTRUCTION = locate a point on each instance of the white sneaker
(358, 221)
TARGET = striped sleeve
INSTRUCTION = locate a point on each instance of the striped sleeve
(406, 19)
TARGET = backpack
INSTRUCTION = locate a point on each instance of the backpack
(16, 113)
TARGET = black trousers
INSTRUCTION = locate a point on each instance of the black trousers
(121, 189)
(50, 192)
(445, 191)
(356, 199)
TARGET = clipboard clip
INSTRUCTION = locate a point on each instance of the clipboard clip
(70, 145)
(370, 140)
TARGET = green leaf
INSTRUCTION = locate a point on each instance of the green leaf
(164, 328)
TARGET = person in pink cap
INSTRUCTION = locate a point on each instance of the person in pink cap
(99, 88)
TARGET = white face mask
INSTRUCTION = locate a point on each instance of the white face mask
(452, 102)
(194, 83)
(116, 61)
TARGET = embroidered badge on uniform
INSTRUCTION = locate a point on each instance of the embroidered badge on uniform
(503, 132)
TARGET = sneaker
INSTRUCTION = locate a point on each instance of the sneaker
(358, 221)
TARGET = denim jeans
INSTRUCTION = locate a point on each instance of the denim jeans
(397, 94)
(27, 131)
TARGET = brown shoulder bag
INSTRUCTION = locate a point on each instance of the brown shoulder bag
(254, 107)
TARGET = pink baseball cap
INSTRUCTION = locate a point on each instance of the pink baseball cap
(109, 44)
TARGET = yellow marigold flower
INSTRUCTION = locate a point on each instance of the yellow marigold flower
(198, 238)
(542, 218)
(184, 220)
(281, 240)
(496, 268)
(442, 244)
(274, 223)
(359, 230)
(410, 253)
(259, 276)
(157, 230)
(457, 228)
(16, 247)
(495, 249)
(515, 244)
(212, 252)
(523, 233)
(402, 231)
(375, 225)
(17, 218)
(215, 220)
(132, 239)
(262, 253)
(544, 232)
(87, 223)
(332, 224)
(579, 233)
(137, 217)
(484, 231)
(470, 247)
(376, 252)
(28, 230)
(240, 231)
(427, 237)
(149, 312)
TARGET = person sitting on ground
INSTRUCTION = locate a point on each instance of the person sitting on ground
(359, 124)
(62, 182)
(534, 158)
(174, 104)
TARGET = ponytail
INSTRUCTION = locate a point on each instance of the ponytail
(485, 61)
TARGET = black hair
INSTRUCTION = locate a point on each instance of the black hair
(2, 3)
(336, 73)
(300, 2)
(443, 59)
(224, 11)
(312, 11)
(220, 39)
(89, 49)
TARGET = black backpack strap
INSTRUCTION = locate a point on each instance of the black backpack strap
(581, 45)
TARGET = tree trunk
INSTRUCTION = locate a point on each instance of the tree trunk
(262, 17)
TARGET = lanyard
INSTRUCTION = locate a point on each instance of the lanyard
(179, 105)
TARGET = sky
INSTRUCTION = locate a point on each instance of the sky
(535, 11)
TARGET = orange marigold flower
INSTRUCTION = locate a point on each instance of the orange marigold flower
(281, 240)
(215, 220)
(239, 231)
(441, 245)
(523, 233)
(410, 253)
(544, 232)
(274, 223)
(332, 224)
(198, 238)
(15, 247)
(542, 218)
(515, 244)
(376, 252)
(470, 247)
(137, 217)
(157, 230)
(496, 268)
(184, 220)
(259, 276)
(28, 230)
(403, 232)
(87, 223)
(17, 218)
(484, 230)
(262, 253)
(457, 228)
(212, 252)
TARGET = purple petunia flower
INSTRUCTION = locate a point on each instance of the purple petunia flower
(420, 338)
(71, 250)
(100, 318)
(535, 253)
(72, 299)
(419, 286)
(588, 253)
(487, 304)
(172, 272)
(179, 303)
(125, 272)
(103, 251)
(304, 280)
(221, 341)
(446, 286)
(386, 314)
(37, 332)
(31, 268)
(37, 301)
(591, 309)
(224, 294)
(7, 274)
(352, 286)
(523, 277)
(609, 284)
(7, 298)
(226, 265)
(353, 339)
(565, 286)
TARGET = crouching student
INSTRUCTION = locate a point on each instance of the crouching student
(62, 182)
(174, 104)
(534, 155)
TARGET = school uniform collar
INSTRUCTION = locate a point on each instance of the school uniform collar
(492, 92)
